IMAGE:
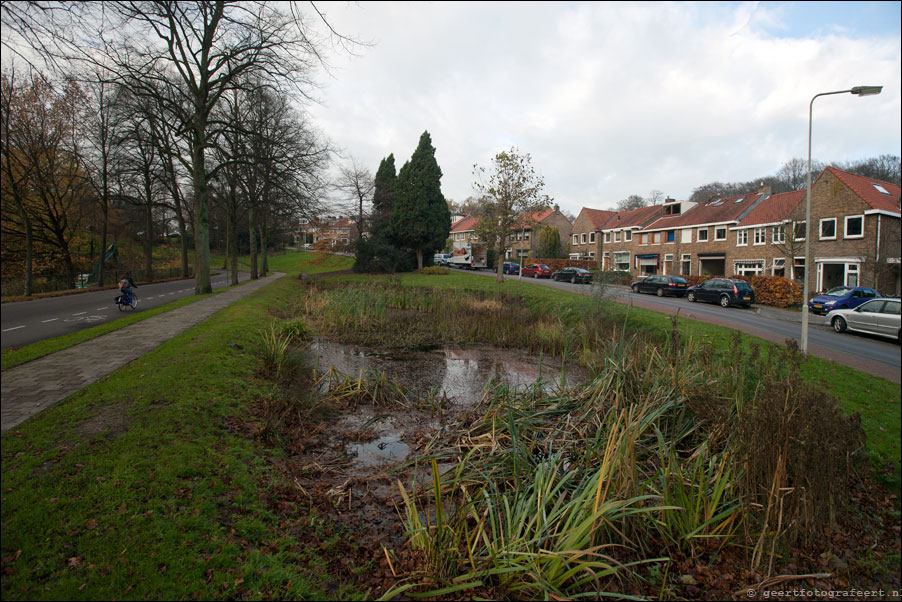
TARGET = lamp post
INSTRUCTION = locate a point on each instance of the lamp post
(858, 91)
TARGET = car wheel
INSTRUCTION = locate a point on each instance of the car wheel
(839, 324)
(536, 275)
(635, 288)
(660, 292)
(573, 280)
(691, 296)
(724, 301)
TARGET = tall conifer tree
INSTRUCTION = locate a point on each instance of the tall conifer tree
(420, 219)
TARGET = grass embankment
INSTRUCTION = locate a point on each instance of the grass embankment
(144, 486)
(137, 487)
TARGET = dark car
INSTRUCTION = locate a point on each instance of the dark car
(574, 275)
(510, 267)
(661, 285)
(841, 297)
(536, 270)
(724, 291)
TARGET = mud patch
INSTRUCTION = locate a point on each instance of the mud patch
(109, 421)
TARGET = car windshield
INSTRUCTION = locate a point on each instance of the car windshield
(742, 286)
(544, 267)
(839, 291)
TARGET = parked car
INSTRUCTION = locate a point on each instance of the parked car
(510, 267)
(537, 270)
(725, 291)
(841, 297)
(661, 285)
(441, 259)
(574, 275)
(876, 316)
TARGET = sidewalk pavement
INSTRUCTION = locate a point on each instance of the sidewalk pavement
(30, 388)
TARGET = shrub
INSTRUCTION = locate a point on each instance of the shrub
(434, 271)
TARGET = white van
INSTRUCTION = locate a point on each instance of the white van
(441, 259)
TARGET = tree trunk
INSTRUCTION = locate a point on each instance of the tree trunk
(420, 259)
(264, 268)
(201, 213)
(148, 228)
(499, 257)
(253, 243)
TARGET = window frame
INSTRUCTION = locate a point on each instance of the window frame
(820, 228)
(846, 227)
(720, 229)
(698, 236)
(742, 238)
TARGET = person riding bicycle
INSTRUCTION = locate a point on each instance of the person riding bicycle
(126, 284)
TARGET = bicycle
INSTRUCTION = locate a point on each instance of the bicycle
(126, 300)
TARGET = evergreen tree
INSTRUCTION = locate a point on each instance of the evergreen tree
(550, 243)
(420, 219)
(385, 181)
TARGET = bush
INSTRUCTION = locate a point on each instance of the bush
(434, 271)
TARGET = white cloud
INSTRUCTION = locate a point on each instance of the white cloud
(610, 99)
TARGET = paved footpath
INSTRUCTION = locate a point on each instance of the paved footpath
(32, 387)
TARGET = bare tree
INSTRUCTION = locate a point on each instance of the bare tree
(209, 44)
(510, 192)
(633, 201)
(356, 184)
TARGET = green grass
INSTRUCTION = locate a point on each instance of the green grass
(136, 489)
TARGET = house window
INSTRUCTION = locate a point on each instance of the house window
(798, 268)
(526, 235)
(627, 235)
(748, 268)
(702, 235)
(854, 226)
(607, 237)
(622, 261)
(616, 236)
(760, 236)
(686, 235)
(576, 239)
(778, 234)
(591, 254)
(828, 228)
(801, 230)
(742, 238)
(685, 264)
(671, 236)
(657, 238)
(592, 238)
(720, 233)
(582, 238)
(778, 267)
(643, 239)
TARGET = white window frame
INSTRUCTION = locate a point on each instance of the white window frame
(742, 238)
(699, 237)
(846, 227)
(759, 236)
(751, 267)
(617, 263)
(778, 234)
(582, 238)
(592, 238)
(627, 236)
(616, 236)
(576, 239)
(656, 238)
(686, 235)
(591, 254)
(685, 259)
(646, 236)
(820, 229)
(795, 226)
(721, 238)
(774, 267)
(607, 237)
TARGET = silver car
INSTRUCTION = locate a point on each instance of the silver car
(877, 316)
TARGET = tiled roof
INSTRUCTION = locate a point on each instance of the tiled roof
(467, 224)
(866, 189)
(775, 208)
(598, 217)
(635, 217)
(715, 211)
(532, 219)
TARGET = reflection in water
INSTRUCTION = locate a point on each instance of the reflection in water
(461, 374)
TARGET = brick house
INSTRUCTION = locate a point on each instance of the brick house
(585, 232)
(331, 232)
(464, 238)
(855, 227)
(764, 243)
(524, 238)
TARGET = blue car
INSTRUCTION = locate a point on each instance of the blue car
(511, 267)
(841, 297)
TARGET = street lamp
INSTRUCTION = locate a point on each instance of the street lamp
(858, 91)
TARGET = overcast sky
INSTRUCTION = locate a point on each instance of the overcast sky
(612, 99)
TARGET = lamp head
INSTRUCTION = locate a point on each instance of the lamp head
(866, 90)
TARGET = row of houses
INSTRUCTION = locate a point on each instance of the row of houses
(855, 238)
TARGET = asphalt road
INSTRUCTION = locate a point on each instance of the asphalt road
(31, 321)
(865, 352)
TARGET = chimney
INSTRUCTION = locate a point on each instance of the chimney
(765, 189)
(668, 200)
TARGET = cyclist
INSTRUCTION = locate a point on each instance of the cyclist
(126, 284)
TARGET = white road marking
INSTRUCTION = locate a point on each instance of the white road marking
(13, 328)
(81, 313)
(50, 320)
